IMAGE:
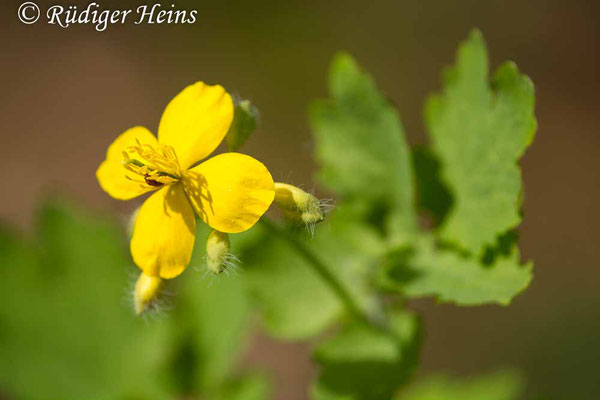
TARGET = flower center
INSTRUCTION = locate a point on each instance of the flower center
(156, 166)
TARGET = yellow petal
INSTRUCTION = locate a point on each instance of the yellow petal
(112, 175)
(196, 121)
(163, 236)
(230, 192)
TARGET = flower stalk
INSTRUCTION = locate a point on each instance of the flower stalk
(320, 268)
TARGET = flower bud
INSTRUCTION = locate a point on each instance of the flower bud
(218, 256)
(243, 124)
(298, 205)
(147, 290)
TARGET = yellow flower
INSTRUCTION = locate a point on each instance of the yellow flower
(229, 192)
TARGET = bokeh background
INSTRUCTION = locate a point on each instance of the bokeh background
(66, 93)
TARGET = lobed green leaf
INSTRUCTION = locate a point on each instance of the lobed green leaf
(479, 130)
(361, 149)
(449, 276)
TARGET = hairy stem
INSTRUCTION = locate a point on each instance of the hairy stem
(320, 268)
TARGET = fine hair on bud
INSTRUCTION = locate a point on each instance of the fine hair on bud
(147, 293)
(218, 254)
(300, 206)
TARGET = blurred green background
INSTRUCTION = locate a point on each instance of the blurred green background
(66, 93)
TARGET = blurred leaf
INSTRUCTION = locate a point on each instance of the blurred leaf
(504, 385)
(249, 387)
(210, 318)
(458, 278)
(295, 301)
(66, 330)
(361, 148)
(366, 363)
(433, 196)
(479, 131)
(242, 126)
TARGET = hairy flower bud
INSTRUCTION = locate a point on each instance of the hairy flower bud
(298, 205)
(218, 256)
(147, 290)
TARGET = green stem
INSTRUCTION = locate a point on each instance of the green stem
(320, 268)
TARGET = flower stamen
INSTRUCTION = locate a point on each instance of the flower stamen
(157, 166)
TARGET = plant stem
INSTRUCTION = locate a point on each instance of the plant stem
(320, 268)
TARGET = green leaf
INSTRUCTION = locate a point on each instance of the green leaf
(479, 130)
(250, 387)
(242, 126)
(504, 385)
(361, 148)
(66, 330)
(366, 363)
(432, 195)
(295, 301)
(449, 276)
(210, 319)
